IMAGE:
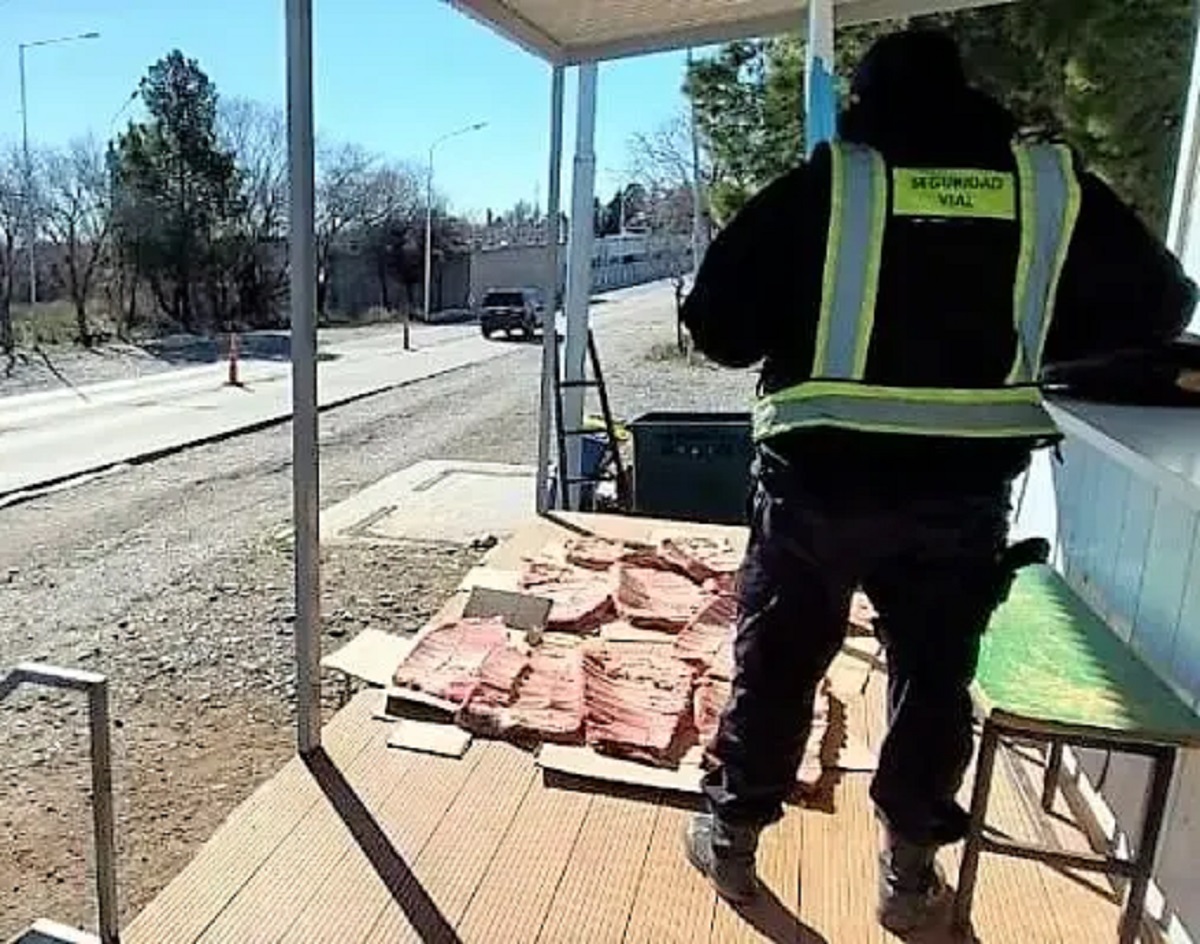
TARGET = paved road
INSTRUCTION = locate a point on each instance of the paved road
(52, 436)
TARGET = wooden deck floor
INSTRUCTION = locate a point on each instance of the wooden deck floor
(368, 844)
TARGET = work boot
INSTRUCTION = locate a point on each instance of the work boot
(912, 890)
(725, 854)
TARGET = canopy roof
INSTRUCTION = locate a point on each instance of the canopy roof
(574, 31)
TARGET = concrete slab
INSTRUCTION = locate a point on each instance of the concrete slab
(446, 501)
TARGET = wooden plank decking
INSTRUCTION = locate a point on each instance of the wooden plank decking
(371, 844)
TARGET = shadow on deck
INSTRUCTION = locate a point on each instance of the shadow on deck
(361, 843)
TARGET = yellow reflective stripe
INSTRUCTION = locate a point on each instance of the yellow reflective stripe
(977, 194)
(957, 395)
(949, 432)
(988, 413)
(833, 242)
(1071, 217)
(1028, 193)
(866, 317)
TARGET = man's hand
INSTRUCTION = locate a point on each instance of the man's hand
(1188, 380)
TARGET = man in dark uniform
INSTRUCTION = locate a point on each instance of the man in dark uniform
(902, 335)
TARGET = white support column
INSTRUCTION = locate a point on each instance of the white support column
(1180, 232)
(550, 291)
(579, 266)
(305, 457)
(820, 82)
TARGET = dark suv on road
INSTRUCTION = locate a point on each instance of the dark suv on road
(513, 310)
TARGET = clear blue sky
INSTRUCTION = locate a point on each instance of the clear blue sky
(390, 75)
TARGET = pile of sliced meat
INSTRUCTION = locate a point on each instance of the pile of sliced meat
(637, 697)
(711, 561)
(447, 660)
(649, 701)
(537, 694)
(581, 599)
(709, 633)
(657, 599)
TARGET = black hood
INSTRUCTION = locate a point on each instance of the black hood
(910, 93)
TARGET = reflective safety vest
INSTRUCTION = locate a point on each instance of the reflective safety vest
(1044, 201)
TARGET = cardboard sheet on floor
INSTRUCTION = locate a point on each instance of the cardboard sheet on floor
(585, 763)
(493, 578)
(427, 737)
(371, 656)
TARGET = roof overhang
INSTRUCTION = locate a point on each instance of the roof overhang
(568, 32)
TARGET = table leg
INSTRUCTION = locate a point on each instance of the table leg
(969, 870)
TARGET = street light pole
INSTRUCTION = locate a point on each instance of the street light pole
(429, 218)
(30, 222)
(30, 214)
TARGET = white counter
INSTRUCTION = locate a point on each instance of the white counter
(1161, 444)
(1123, 509)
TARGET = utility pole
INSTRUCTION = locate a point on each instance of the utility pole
(30, 211)
(697, 187)
(429, 220)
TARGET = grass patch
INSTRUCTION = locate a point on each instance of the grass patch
(51, 324)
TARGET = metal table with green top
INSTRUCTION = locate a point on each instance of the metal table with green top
(1051, 670)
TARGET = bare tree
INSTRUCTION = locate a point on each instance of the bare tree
(662, 159)
(256, 135)
(12, 208)
(78, 219)
(356, 194)
(342, 195)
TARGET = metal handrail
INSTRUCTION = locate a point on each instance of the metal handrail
(96, 687)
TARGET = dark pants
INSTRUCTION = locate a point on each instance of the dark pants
(932, 569)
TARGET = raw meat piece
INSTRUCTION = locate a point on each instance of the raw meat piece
(550, 698)
(657, 599)
(862, 613)
(581, 599)
(637, 698)
(712, 692)
(496, 687)
(601, 553)
(712, 629)
(539, 571)
(702, 558)
(447, 660)
(537, 694)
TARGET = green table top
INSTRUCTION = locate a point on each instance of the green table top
(1047, 656)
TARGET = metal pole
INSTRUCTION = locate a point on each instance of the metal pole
(579, 268)
(102, 812)
(30, 220)
(305, 454)
(697, 186)
(821, 100)
(550, 292)
(96, 687)
(428, 238)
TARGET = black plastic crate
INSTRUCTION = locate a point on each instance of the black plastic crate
(692, 466)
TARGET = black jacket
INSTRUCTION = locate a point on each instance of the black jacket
(758, 293)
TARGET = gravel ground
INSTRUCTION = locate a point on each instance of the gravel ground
(168, 578)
